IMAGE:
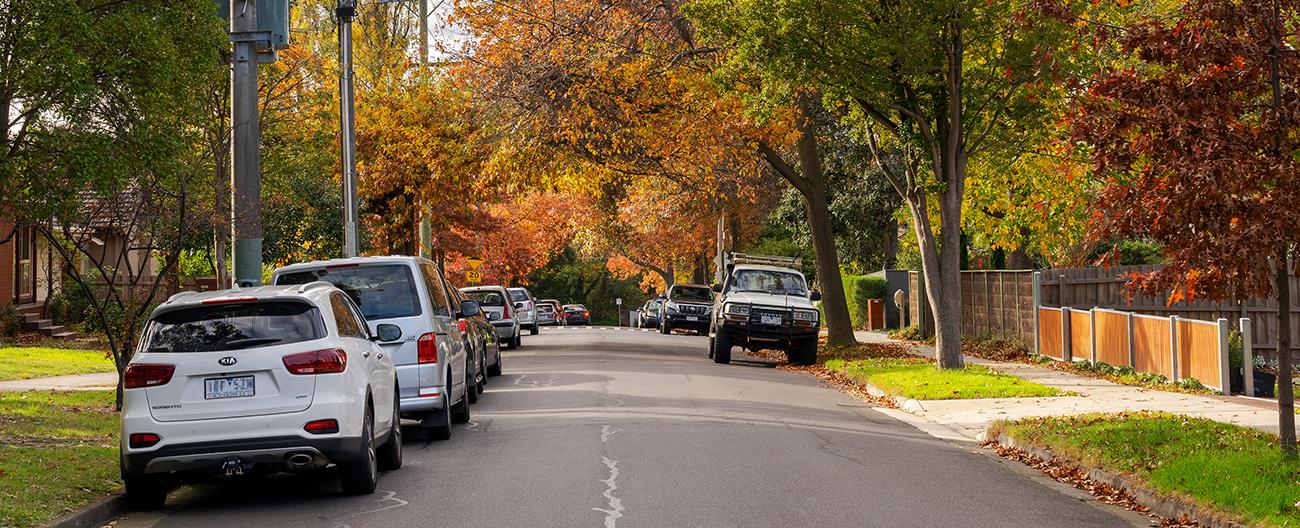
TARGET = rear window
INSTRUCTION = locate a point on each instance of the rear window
(234, 326)
(487, 298)
(382, 292)
(518, 295)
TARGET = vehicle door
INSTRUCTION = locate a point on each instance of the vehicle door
(382, 370)
(450, 341)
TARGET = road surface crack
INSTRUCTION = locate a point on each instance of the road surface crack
(615, 511)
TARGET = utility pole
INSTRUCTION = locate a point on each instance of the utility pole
(348, 127)
(245, 140)
(426, 230)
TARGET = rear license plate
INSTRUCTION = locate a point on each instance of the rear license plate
(770, 320)
(692, 318)
(233, 387)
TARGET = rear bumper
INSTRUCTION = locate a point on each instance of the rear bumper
(206, 458)
(506, 330)
(418, 405)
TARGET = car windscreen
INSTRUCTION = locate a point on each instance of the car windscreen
(692, 293)
(382, 292)
(518, 295)
(487, 298)
(220, 327)
(768, 281)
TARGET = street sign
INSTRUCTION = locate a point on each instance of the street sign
(618, 301)
(474, 262)
(473, 276)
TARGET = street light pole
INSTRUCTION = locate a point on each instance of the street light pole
(245, 137)
(426, 230)
(348, 129)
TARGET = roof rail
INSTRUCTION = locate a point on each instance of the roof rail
(765, 260)
(313, 284)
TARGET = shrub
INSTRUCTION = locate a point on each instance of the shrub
(860, 290)
(910, 333)
(10, 321)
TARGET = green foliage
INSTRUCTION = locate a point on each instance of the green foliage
(1223, 466)
(859, 290)
(917, 378)
(10, 321)
(39, 362)
(911, 332)
(1129, 253)
(1234, 349)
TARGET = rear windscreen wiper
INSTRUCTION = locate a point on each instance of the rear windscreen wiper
(251, 342)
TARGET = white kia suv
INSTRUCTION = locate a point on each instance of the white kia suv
(257, 381)
(433, 366)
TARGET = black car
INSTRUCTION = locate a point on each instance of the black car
(480, 340)
(687, 307)
(650, 313)
(576, 314)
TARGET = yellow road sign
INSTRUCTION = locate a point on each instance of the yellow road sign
(474, 262)
(474, 277)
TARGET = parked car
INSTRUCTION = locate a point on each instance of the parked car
(688, 307)
(577, 314)
(495, 301)
(557, 308)
(525, 308)
(257, 381)
(434, 370)
(480, 337)
(546, 315)
(650, 313)
(765, 303)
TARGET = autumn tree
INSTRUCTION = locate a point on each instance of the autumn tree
(1197, 136)
(942, 81)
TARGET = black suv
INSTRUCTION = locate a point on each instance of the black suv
(688, 306)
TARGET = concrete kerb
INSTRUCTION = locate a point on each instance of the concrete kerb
(93, 515)
(904, 403)
(1163, 504)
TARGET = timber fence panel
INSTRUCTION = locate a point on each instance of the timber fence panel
(1198, 351)
(1112, 338)
(1049, 336)
(1080, 335)
(1151, 345)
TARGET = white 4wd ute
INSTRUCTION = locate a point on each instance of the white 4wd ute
(764, 303)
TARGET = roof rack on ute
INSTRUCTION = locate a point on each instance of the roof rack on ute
(764, 260)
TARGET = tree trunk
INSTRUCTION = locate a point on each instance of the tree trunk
(1285, 392)
(890, 260)
(669, 276)
(834, 304)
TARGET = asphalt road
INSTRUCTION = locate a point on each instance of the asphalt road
(611, 427)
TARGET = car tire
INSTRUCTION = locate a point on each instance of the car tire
(460, 411)
(711, 340)
(145, 493)
(666, 328)
(390, 454)
(805, 353)
(722, 348)
(495, 368)
(360, 476)
(441, 430)
(471, 386)
(533, 330)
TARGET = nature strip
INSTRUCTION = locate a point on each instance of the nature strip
(834, 379)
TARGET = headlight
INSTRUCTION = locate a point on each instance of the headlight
(670, 307)
(805, 315)
(737, 309)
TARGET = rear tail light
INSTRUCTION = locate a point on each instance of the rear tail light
(427, 348)
(327, 361)
(464, 327)
(141, 375)
(586, 314)
(505, 311)
(322, 426)
(227, 300)
(144, 439)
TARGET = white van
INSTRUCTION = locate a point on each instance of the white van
(409, 292)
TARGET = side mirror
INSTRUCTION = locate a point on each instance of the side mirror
(387, 332)
(519, 305)
(717, 288)
(469, 308)
(494, 316)
(815, 296)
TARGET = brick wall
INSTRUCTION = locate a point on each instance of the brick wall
(6, 265)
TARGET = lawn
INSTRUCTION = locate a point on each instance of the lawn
(17, 363)
(58, 451)
(1234, 469)
(917, 378)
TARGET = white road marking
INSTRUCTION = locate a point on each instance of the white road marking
(389, 496)
(615, 511)
(607, 431)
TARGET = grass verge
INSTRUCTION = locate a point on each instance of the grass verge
(1233, 469)
(899, 373)
(58, 452)
(19, 363)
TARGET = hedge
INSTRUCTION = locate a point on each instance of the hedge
(858, 289)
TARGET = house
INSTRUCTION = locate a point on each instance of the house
(28, 276)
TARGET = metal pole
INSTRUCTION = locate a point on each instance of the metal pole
(426, 229)
(347, 122)
(245, 137)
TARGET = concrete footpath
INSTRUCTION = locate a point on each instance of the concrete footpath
(103, 381)
(971, 418)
